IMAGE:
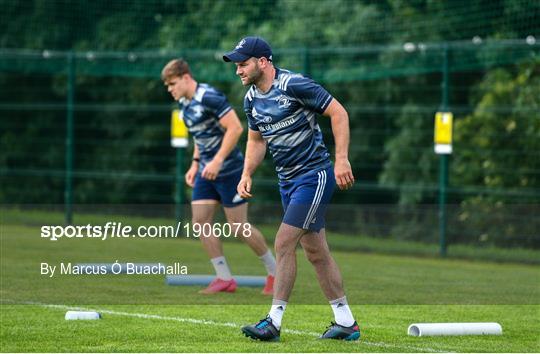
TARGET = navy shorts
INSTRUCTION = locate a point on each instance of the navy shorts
(222, 189)
(306, 198)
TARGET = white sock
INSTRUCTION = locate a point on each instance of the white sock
(222, 268)
(269, 262)
(342, 312)
(276, 312)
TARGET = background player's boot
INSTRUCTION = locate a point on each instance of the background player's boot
(335, 331)
(219, 285)
(269, 286)
(263, 330)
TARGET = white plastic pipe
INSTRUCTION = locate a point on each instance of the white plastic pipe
(82, 315)
(454, 329)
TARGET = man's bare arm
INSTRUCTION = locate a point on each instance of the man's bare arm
(339, 119)
(255, 151)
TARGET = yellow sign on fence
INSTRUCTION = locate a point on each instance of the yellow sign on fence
(443, 132)
(179, 131)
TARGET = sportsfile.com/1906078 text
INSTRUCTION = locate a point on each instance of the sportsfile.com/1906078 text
(113, 229)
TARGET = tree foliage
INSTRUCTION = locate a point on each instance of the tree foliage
(500, 150)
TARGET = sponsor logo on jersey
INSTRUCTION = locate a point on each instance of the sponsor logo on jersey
(278, 125)
(283, 101)
(265, 119)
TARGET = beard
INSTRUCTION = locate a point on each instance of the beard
(254, 77)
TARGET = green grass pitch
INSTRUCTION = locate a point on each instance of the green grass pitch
(142, 314)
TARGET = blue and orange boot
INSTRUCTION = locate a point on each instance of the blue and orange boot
(335, 331)
(264, 330)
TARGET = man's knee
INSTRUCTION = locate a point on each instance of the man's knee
(283, 247)
(316, 256)
(201, 220)
(286, 240)
(236, 219)
(315, 253)
(203, 212)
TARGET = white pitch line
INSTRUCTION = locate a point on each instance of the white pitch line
(223, 324)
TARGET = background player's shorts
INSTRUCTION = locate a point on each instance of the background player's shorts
(222, 189)
(306, 198)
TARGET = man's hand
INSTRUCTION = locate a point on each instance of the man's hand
(211, 170)
(191, 173)
(344, 175)
(244, 187)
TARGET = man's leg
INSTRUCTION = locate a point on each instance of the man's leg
(287, 239)
(255, 240)
(236, 211)
(203, 211)
(302, 199)
(317, 252)
(238, 214)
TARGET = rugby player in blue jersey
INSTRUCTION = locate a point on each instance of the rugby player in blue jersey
(216, 169)
(281, 107)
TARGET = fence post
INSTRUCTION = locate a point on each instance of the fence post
(443, 158)
(68, 185)
(180, 188)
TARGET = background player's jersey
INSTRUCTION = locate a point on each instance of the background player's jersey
(201, 116)
(285, 117)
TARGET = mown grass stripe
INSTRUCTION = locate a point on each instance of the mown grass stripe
(223, 324)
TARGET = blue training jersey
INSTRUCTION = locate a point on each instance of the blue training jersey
(201, 116)
(285, 117)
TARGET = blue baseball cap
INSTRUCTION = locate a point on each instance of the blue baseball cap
(249, 47)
